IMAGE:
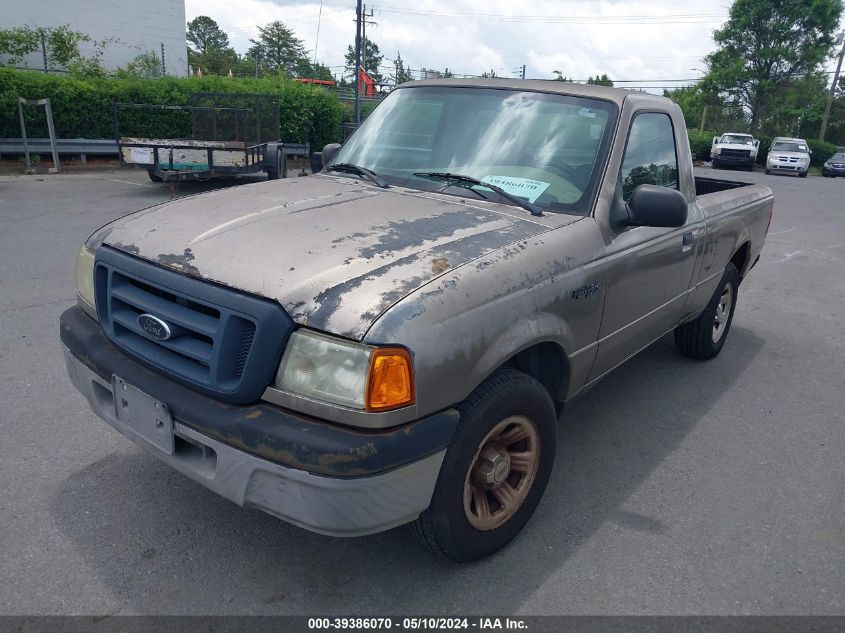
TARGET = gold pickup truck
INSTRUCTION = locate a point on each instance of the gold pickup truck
(391, 340)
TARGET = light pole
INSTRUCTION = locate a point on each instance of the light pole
(704, 110)
(840, 39)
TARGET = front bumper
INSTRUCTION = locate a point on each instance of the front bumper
(323, 477)
(743, 161)
(796, 168)
(833, 171)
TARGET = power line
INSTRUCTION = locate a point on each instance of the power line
(681, 18)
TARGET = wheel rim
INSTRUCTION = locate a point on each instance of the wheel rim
(501, 473)
(723, 313)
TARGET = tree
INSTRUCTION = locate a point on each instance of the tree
(489, 75)
(402, 74)
(560, 76)
(205, 35)
(60, 44)
(146, 65)
(602, 80)
(766, 44)
(371, 59)
(278, 49)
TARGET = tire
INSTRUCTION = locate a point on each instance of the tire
(768, 172)
(280, 168)
(154, 176)
(700, 338)
(803, 174)
(506, 403)
(715, 164)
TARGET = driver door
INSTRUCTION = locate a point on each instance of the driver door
(649, 269)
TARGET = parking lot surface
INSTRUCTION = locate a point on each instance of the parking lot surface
(680, 487)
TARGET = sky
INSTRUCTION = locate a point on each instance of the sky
(643, 43)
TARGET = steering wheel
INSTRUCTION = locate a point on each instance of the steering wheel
(564, 170)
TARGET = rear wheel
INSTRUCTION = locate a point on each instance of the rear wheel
(703, 338)
(495, 470)
(154, 176)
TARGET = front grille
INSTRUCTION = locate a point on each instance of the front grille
(736, 153)
(221, 341)
(787, 159)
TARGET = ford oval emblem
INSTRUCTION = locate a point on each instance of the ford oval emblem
(154, 327)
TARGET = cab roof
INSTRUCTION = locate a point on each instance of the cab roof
(552, 86)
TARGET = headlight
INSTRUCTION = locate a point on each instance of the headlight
(717, 151)
(349, 374)
(85, 276)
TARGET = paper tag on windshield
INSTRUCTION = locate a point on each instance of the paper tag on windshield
(522, 187)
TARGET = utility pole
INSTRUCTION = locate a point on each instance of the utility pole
(358, 12)
(703, 117)
(364, 23)
(44, 49)
(839, 39)
(523, 71)
(163, 65)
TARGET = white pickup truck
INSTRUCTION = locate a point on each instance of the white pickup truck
(734, 149)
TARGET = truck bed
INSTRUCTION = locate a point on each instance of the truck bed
(704, 186)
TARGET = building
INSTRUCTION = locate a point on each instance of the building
(140, 27)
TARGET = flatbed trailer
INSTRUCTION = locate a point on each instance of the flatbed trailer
(225, 140)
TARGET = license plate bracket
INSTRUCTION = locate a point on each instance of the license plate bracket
(144, 416)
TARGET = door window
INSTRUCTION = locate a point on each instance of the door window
(650, 156)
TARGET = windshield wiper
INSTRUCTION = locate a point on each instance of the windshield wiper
(349, 168)
(533, 209)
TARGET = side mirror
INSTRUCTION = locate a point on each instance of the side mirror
(329, 152)
(651, 205)
(715, 140)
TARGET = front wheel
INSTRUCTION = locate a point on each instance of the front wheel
(803, 174)
(703, 338)
(495, 470)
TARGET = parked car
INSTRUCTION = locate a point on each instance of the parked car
(391, 340)
(834, 166)
(734, 150)
(789, 155)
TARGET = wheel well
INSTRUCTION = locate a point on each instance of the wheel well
(740, 258)
(546, 362)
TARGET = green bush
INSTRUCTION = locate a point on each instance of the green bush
(822, 151)
(700, 143)
(82, 108)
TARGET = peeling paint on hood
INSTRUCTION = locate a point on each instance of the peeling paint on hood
(334, 252)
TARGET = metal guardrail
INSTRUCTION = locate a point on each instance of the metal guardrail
(93, 147)
(98, 147)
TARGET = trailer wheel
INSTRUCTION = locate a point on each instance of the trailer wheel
(279, 169)
(154, 176)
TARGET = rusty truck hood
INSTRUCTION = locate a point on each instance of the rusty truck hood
(334, 252)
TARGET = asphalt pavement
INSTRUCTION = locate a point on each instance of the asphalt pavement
(680, 487)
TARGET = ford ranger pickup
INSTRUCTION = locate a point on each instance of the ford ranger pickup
(392, 339)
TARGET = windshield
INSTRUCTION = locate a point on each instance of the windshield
(734, 139)
(542, 147)
(839, 158)
(783, 146)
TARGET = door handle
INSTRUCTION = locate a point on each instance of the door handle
(688, 240)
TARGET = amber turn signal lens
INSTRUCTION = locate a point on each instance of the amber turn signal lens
(391, 379)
